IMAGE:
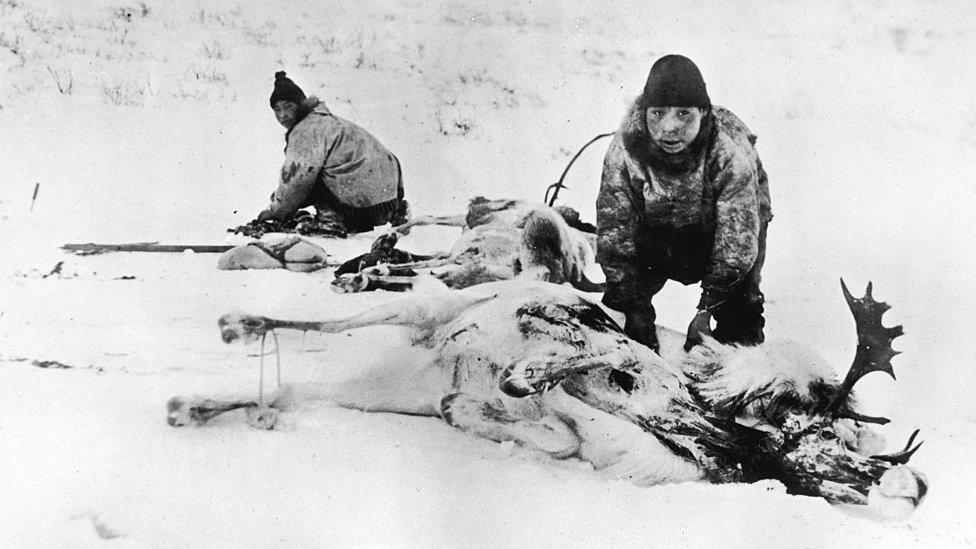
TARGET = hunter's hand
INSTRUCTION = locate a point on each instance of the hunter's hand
(640, 326)
(700, 326)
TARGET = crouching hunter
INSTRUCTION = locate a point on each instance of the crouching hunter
(348, 176)
(684, 197)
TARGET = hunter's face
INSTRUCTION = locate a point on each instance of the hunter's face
(285, 112)
(673, 128)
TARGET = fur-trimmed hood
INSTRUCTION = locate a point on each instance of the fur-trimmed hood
(699, 220)
(311, 104)
(307, 107)
(639, 145)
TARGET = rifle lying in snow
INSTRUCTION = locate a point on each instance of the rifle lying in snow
(92, 248)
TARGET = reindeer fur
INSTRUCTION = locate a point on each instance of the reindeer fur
(501, 239)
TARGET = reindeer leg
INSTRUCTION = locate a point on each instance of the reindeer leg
(392, 277)
(549, 434)
(449, 220)
(197, 410)
(182, 411)
(426, 313)
(353, 283)
(419, 312)
(465, 275)
(437, 260)
(531, 376)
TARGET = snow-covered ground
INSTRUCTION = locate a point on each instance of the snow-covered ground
(149, 121)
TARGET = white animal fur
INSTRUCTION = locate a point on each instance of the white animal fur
(501, 239)
(647, 431)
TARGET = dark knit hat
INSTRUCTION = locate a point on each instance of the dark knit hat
(675, 81)
(286, 90)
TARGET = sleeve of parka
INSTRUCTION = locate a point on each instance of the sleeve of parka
(736, 244)
(304, 158)
(619, 209)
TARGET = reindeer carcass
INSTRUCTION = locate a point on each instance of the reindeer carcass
(540, 365)
(501, 239)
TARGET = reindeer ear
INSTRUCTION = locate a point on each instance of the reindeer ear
(755, 424)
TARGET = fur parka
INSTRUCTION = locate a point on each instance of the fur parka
(699, 224)
(352, 165)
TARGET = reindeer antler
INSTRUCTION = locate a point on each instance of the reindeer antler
(874, 352)
(902, 457)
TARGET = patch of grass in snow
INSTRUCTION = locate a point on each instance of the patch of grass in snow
(133, 55)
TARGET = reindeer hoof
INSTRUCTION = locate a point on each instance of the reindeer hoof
(179, 412)
(525, 378)
(446, 408)
(515, 385)
(350, 283)
(241, 327)
(262, 417)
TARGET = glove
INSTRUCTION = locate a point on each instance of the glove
(640, 327)
(700, 326)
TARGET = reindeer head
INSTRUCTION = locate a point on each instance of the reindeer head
(816, 443)
(776, 411)
(826, 457)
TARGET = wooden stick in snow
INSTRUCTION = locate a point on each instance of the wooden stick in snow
(93, 248)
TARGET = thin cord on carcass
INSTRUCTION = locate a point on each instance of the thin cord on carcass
(261, 371)
(277, 351)
(274, 334)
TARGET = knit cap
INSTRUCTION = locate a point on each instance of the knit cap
(286, 90)
(675, 81)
